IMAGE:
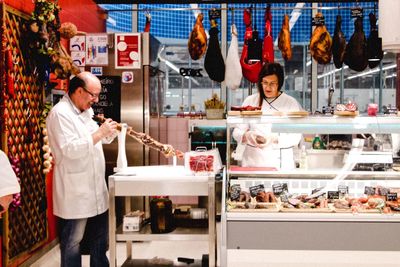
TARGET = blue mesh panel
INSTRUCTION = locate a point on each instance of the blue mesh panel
(173, 23)
(123, 19)
(178, 24)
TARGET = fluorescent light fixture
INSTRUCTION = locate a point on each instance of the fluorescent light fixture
(173, 66)
(294, 16)
(371, 71)
(112, 21)
(332, 72)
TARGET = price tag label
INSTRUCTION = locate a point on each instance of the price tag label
(315, 190)
(369, 190)
(255, 189)
(214, 14)
(383, 191)
(343, 189)
(284, 197)
(333, 194)
(318, 21)
(391, 197)
(356, 12)
(279, 188)
(235, 192)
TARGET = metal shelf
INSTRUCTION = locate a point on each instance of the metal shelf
(324, 124)
(313, 217)
(317, 174)
(147, 263)
(179, 234)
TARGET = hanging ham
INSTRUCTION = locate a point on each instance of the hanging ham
(339, 43)
(198, 39)
(356, 50)
(214, 62)
(148, 23)
(250, 70)
(321, 43)
(284, 39)
(233, 70)
(268, 45)
(374, 44)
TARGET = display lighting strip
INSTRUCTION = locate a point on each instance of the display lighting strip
(371, 71)
(173, 67)
(332, 72)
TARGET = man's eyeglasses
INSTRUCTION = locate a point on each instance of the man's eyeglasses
(272, 85)
(94, 96)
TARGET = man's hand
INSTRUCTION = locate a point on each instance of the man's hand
(108, 128)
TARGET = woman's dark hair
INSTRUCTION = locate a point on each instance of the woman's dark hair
(270, 69)
(74, 84)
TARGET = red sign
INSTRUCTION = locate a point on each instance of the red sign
(127, 51)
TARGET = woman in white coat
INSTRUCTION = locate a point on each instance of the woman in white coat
(259, 146)
(8, 183)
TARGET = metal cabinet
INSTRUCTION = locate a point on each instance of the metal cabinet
(160, 180)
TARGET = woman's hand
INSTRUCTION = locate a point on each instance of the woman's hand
(253, 138)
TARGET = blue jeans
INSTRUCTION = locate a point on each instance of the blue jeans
(72, 232)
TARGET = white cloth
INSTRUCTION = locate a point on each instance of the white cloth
(79, 185)
(278, 155)
(8, 181)
(233, 69)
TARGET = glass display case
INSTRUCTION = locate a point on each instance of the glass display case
(342, 197)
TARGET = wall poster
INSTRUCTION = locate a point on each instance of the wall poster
(96, 49)
(127, 51)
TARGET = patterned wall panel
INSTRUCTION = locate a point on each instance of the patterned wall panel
(25, 228)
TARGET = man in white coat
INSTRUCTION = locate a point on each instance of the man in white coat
(80, 194)
(258, 145)
(8, 183)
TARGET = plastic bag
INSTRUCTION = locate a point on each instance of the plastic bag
(203, 161)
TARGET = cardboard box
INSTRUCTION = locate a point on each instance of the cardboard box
(132, 221)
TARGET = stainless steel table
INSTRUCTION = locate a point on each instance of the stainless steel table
(160, 180)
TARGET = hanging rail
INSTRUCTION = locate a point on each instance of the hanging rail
(237, 8)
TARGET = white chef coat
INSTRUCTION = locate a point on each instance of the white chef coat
(79, 185)
(279, 155)
(8, 181)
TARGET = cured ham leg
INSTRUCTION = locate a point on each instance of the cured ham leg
(321, 43)
(250, 70)
(374, 44)
(356, 51)
(148, 23)
(339, 43)
(268, 46)
(197, 44)
(233, 70)
(145, 139)
(284, 39)
(213, 61)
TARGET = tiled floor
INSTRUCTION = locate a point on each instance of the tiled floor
(243, 258)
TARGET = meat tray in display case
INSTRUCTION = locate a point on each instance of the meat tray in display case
(337, 198)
